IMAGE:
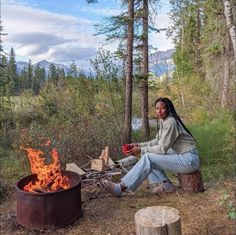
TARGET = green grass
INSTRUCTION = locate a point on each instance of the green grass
(13, 166)
(215, 140)
(17, 103)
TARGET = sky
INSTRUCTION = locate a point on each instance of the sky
(62, 31)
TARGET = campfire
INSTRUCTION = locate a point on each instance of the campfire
(49, 196)
(49, 177)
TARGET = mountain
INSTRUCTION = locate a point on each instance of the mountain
(21, 65)
(42, 64)
(45, 64)
(160, 63)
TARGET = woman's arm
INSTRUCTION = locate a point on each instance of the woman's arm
(167, 138)
(149, 143)
(152, 142)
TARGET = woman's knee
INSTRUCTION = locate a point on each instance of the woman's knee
(145, 156)
(148, 157)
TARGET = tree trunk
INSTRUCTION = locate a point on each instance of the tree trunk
(129, 75)
(144, 82)
(230, 24)
(198, 41)
(226, 76)
(158, 220)
(191, 182)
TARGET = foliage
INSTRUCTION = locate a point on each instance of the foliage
(229, 204)
(215, 139)
(78, 117)
(202, 49)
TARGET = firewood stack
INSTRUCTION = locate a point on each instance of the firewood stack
(103, 161)
(98, 169)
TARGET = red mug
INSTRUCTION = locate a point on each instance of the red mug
(126, 148)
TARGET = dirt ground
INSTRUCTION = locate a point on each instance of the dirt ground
(201, 213)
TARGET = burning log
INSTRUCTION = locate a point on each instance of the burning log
(49, 177)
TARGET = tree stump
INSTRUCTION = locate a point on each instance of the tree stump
(158, 220)
(191, 182)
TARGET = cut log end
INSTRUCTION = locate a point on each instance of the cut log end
(160, 220)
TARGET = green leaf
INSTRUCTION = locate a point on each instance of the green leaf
(232, 214)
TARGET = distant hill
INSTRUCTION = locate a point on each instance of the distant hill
(46, 64)
(42, 64)
(160, 63)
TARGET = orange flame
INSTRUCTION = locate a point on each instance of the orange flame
(49, 177)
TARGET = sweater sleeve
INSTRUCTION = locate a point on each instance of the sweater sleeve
(149, 143)
(167, 139)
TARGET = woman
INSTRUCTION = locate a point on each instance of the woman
(173, 149)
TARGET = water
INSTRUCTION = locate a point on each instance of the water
(137, 123)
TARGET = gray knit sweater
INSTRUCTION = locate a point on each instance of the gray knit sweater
(171, 135)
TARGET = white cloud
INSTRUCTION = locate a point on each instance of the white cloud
(39, 34)
(102, 11)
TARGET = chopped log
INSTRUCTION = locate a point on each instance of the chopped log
(158, 220)
(102, 154)
(105, 156)
(191, 182)
(75, 168)
(110, 162)
(98, 164)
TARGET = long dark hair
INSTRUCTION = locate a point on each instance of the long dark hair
(172, 112)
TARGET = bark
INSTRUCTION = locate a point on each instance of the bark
(230, 23)
(226, 76)
(198, 58)
(191, 182)
(144, 83)
(129, 75)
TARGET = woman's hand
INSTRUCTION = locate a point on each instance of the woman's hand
(134, 151)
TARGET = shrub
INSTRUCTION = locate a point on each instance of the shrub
(79, 118)
(215, 140)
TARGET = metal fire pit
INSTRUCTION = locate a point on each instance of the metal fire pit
(58, 208)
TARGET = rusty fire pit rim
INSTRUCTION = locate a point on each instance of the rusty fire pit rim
(48, 193)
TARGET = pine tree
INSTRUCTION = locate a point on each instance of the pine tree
(29, 80)
(23, 82)
(73, 71)
(38, 79)
(129, 75)
(52, 74)
(144, 81)
(11, 74)
(3, 76)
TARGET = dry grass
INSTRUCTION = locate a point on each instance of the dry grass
(201, 213)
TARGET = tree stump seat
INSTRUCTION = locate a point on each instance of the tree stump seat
(191, 182)
(158, 220)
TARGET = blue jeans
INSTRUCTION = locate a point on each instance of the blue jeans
(153, 166)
